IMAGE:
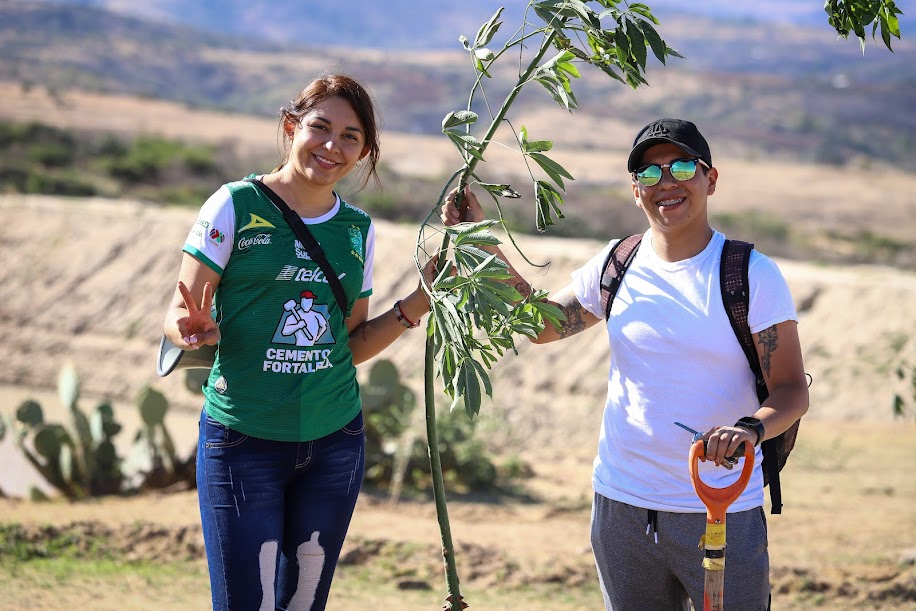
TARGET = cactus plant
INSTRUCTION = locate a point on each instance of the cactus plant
(77, 462)
(153, 452)
(388, 406)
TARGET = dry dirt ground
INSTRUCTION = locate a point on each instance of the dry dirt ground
(87, 281)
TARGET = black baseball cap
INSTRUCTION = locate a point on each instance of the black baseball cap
(674, 131)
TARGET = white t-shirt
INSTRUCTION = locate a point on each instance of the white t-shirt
(675, 357)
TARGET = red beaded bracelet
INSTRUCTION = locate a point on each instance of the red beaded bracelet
(402, 318)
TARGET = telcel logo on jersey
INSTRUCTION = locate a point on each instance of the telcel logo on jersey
(258, 240)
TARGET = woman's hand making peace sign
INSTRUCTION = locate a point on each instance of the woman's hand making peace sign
(198, 328)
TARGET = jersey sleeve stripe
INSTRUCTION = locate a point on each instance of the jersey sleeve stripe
(203, 259)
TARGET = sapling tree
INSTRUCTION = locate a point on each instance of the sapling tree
(476, 315)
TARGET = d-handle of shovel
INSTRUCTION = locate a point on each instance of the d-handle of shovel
(717, 501)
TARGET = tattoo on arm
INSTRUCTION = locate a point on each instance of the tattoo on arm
(570, 306)
(769, 339)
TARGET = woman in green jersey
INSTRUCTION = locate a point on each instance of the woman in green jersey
(280, 456)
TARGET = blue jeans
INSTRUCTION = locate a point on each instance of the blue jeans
(275, 514)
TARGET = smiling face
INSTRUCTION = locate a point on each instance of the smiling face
(676, 208)
(327, 142)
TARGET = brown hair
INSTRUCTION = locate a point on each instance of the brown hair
(347, 88)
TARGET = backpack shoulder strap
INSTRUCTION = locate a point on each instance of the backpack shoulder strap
(736, 297)
(615, 266)
(736, 294)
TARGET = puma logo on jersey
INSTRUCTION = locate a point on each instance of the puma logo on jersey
(256, 222)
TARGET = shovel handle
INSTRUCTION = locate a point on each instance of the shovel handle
(717, 500)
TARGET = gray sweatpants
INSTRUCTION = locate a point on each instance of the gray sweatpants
(637, 573)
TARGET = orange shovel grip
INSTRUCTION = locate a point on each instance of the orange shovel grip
(717, 500)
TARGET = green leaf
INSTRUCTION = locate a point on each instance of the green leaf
(552, 169)
(490, 260)
(464, 42)
(447, 268)
(462, 229)
(547, 199)
(557, 91)
(460, 117)
(501, 190)
(484, 54)
(466, 143)
(470, 253)
(569, 68)
(643, 10)
(485, 238)
(482, 374)
(549, 312)
(491, 298)
(507, 293)
(537, 146)
(469, 388)
(622, 44)
(478, 65)
(637, 43)
(587, 15)
(659, 49)
(488, 30)
(450, 283)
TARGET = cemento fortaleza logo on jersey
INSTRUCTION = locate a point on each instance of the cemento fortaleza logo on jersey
(303, 324)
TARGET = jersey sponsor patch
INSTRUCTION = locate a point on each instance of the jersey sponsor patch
(304, 274)
(356, 242)
(256, 222)
(303, 326)
(216, 236)
(301, 252)
(262, 239)
(303, 322)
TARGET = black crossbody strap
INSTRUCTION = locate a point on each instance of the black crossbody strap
(309, 242)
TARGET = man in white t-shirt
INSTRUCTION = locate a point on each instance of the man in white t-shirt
(675, 357)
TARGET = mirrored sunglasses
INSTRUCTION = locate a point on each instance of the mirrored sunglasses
(681, 169)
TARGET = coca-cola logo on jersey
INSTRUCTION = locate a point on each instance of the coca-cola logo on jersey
(256, 240)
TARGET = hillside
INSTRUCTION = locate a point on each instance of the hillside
(800, 211)
(780, 89)
(88, 281)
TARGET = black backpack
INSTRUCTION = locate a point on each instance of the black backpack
(735, 286)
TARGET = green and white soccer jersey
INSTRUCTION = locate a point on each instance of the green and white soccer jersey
(283, 368)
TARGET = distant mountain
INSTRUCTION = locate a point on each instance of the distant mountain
(410, 24)
(775, 87)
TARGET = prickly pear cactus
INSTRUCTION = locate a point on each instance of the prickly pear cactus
(153, 406)
(153, 452)
(68, 386)
(29, 414)
(68, 389)
(79, 461)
